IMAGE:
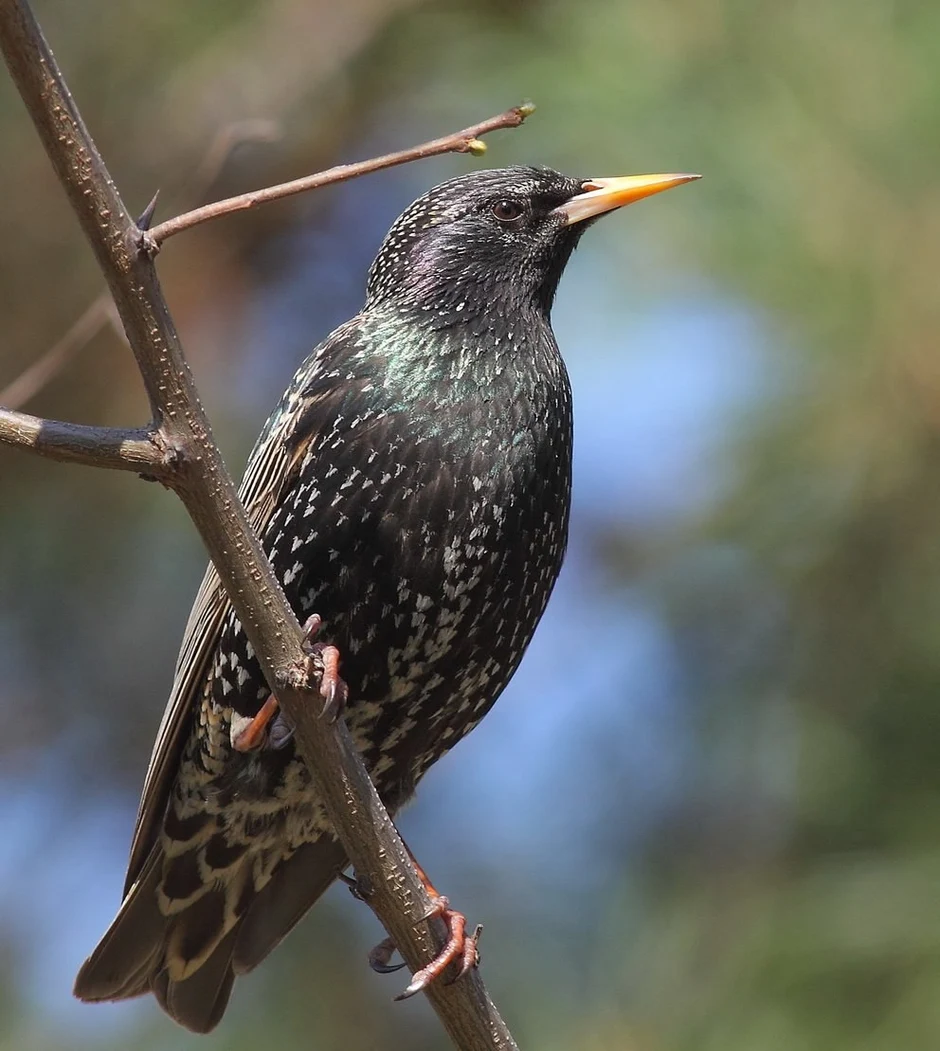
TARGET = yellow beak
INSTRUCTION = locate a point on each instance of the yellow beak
(603, 195)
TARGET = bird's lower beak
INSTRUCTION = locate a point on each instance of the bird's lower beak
(603, 195)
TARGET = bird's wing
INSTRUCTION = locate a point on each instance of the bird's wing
(270, 471)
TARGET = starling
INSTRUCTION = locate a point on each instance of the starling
(411, 489)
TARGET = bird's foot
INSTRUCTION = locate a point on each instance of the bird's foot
(358, 886)
(460, 949)
(324, 661)
(249, 733)
(380, 956)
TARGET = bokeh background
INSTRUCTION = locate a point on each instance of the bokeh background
(723, 832)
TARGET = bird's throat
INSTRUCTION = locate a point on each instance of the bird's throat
(446, 377)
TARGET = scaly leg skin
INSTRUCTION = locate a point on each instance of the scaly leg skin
(460, 948)
(247, 738)
(333, 690)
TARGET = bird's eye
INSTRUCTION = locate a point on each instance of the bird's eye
(507, 211)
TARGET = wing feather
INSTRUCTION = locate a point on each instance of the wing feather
(271, 467)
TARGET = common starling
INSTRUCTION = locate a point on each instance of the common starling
(411, 488)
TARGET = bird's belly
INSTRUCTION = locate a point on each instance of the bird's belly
(431, 580)
(425, 654)
(441, 660)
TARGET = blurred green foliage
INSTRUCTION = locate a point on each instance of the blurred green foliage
(791, 900)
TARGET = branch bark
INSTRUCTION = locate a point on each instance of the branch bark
(466, 141)
(142, 450)
(180, 450)
(101, 312)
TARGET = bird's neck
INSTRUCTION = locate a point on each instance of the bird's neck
(450, 379)
(484, 352)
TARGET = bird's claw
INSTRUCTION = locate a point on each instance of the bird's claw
(333, 688)
(459, 949)
(311, 629)
(251, 732)
(360, 887)
(325, 661)
(379, 958)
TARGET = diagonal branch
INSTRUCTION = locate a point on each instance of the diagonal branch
(466, 141)
(100, 312)
(198, 475)
(29, 382)
(221, 148)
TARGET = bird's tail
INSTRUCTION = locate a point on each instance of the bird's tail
(189, 956)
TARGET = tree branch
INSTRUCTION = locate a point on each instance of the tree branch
(466, 141)
(197, 473)
(29, 382)
(100, 311)
(140, 450)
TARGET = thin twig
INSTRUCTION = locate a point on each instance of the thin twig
(220, 151)
(32, 379)
(466, 141)
(196, 472)
(101, 310)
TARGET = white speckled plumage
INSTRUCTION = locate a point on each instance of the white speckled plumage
(412, 487)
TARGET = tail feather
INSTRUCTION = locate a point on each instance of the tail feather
(132, 948)
(195, 934)
(189, 957)
(199, 1001)
(282, 903)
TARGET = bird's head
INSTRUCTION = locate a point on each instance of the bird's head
(494, 240)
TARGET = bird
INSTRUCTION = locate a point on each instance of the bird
(412, 491)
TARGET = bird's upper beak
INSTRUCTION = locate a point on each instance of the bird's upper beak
(603, 195)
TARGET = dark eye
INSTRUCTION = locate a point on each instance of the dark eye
(507, 211)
